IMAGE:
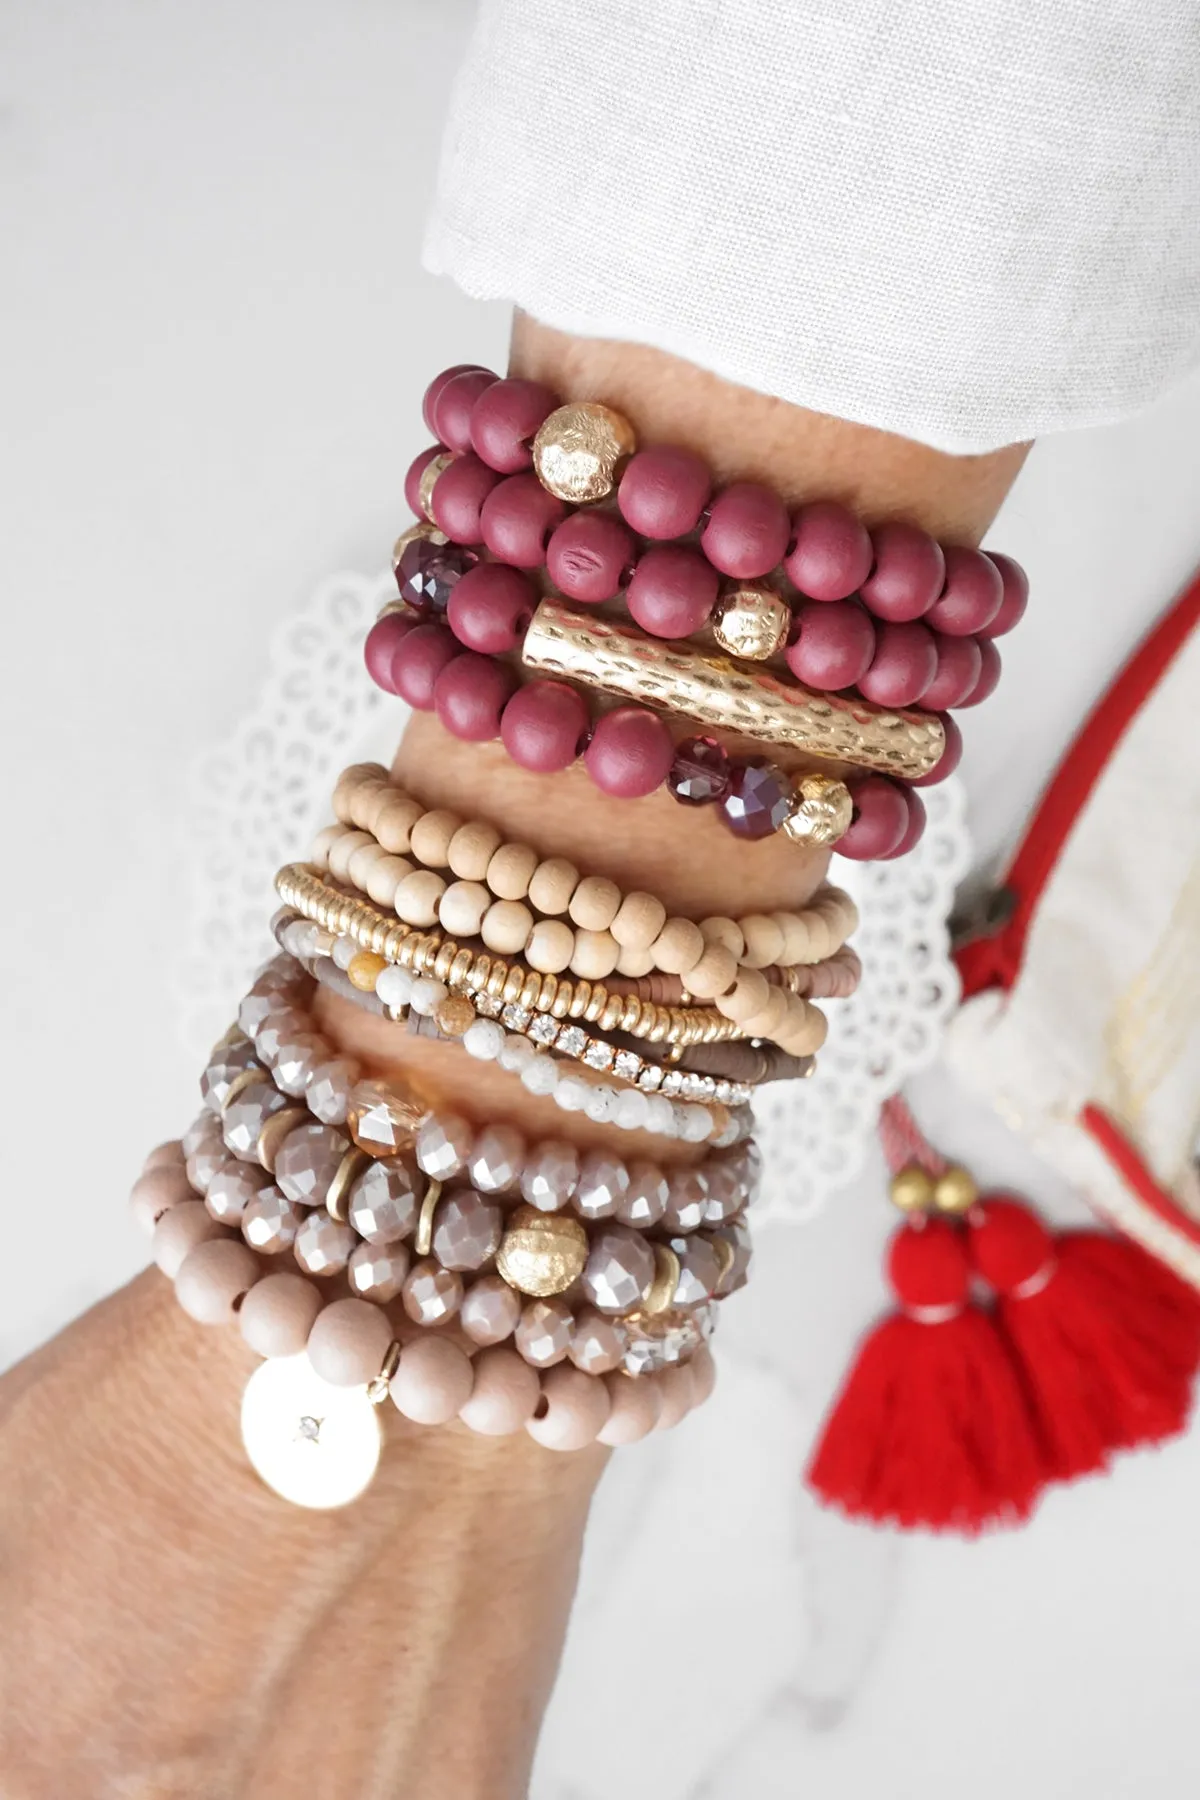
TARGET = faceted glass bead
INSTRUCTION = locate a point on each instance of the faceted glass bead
(322, 1246)
(244, 1119)
(330, 1086)
(619, 1270)
(496, 1159)
(725, 1192)
(659, 1341)
(268, 995)
(232, 1189)
(384, 1200)
(737, 1234)
(432, 1294)
(687, 1200)
(700, 773)
(699, 1270)
(308, 1160)
(758, 801)
(428, 573)
(278, 1026)
(204, 1164)
(383, 1120)
(645, 1199)
(550, 1174)
(377, 1271)
(270, 1222)
(223, 1069)
(603, 1184)
(443, 1146)
(543, 1334)
(297, 1056)
(597, 1344)
(490, 1310)
(467, 1230)
(203, 1133)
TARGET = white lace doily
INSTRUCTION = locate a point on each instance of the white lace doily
(257, 799)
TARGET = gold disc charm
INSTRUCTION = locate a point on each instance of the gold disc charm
(314, 1444)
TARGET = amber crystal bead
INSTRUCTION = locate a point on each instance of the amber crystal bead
(383, 1120)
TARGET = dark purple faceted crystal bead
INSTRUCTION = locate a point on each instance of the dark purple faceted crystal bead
(701, 772)
(428, 573)
(758, 801)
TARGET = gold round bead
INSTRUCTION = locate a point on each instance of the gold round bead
(822, 811)
(751, 622)
(542, 1253)
(954, 1191)
(912, 1189)
(422, 533)
(430, 475)
(454, 1015)
(578, 451)
(364, 970)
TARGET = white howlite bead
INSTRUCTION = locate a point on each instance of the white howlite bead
(394, 986)
(572, 1094)
(484, 1040)
(540, 1076)
(660, 1115)
(693, 1123)
(344, 951)
(630, 1111)
(601, 1105)
(516, 1052)
(729, 1135)
(427, 995)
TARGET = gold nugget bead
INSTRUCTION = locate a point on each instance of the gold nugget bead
(822, 811)
(579, 451)
(542, 1253)
(751, 622)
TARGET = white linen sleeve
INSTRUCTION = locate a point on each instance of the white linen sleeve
(968, 221)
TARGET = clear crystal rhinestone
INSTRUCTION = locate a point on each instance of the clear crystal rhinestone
(572, 1041)
(627, 1064)
(488, 1007)
(672, 1082)
(598, 1055)
(544, 1029)
(724, 1092)
(695, 1087)
(650, 1079)
(742, 1093)
(467, 1230)
(383, 1201)
(517, 1018)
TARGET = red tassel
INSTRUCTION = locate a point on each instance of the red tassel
(1107, 1339)
(931, 1428)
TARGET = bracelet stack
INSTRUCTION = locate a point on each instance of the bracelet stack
(804, 633)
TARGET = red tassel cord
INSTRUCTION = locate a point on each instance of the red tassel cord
(932, 1428)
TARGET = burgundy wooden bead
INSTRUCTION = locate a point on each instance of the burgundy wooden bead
(663, 492)
(908, 573)
(880, 820)
(959, 665)
(630, 753)
(972, 594)
(458, 494)
(672, 591)
(434, 391)
(830, 555)
(491, 607)
(517, 519)
(545, 726)
(989, 674)
(913, 830)
(904, 664)
(747, 531)
(950, 758)
(1016, 595)
(832, 643)
(418, 660)
(469, 696)
(590, 556)
(412, 481)
(506, 420)
(383, 640)
(451, 411)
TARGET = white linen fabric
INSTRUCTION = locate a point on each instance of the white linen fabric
(968, 221)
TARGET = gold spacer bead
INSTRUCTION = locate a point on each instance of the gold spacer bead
(363, 970)
(661, 1292)
(430, 474)
(822, 811)
(273, 1132)
(350, 1167)
(954, 1192)
(542, 1253)
(751, 622)
(531, 991)
(423, 1241)
(238, 1085)
(911, 1189)
(579, 451)
(547, 994)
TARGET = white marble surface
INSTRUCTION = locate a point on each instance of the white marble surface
(215, 339)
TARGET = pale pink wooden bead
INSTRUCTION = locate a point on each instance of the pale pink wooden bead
(472, 848)
(462, 907)
(595, 955)
(341, 852)
(747, 997)
(770, 1015)
(551, 886)
(178, 1232)
(504, 1396)
(433, 1381)
(677, 1393)
(551, 946)
(638, 921)
(594, 903)
(704, 1375)
(797, 939)
(678, 946)
(348, 1342)
(572, 1410)
(633, 1411)
(714, 974)
(369, 801)
(155, 1192)
(719, 930)
(278, 1313)
(385, 877)
(394, 822)
(418, 897)
(349, 782)
(322, 844)
(366, 858)
(214, 1278)
(635, 962)
(763, 941)
(510, 871)
(165, 1156)
(506, 927)
(431, 837)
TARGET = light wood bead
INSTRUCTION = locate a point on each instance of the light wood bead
(797, 938)
(714, 974)
(763, 941)
(369, 800)
(594, 903)
(418, 897)
(639, 919)
(461, 908)
(430, 838)
(678, 947)
(324, 841)
(551, 946)
(747, 996)
(510, 871)
(363, 861)
(634, 961)
(394, 823)
(341, 852)
(724, 931)
(839, 913)
(472, 848)
(821, 941)
(595, 955)
(804, 1030)
(385, 877)
(506, 927)
(551, 886)
(348, 783)
(770, 1016)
